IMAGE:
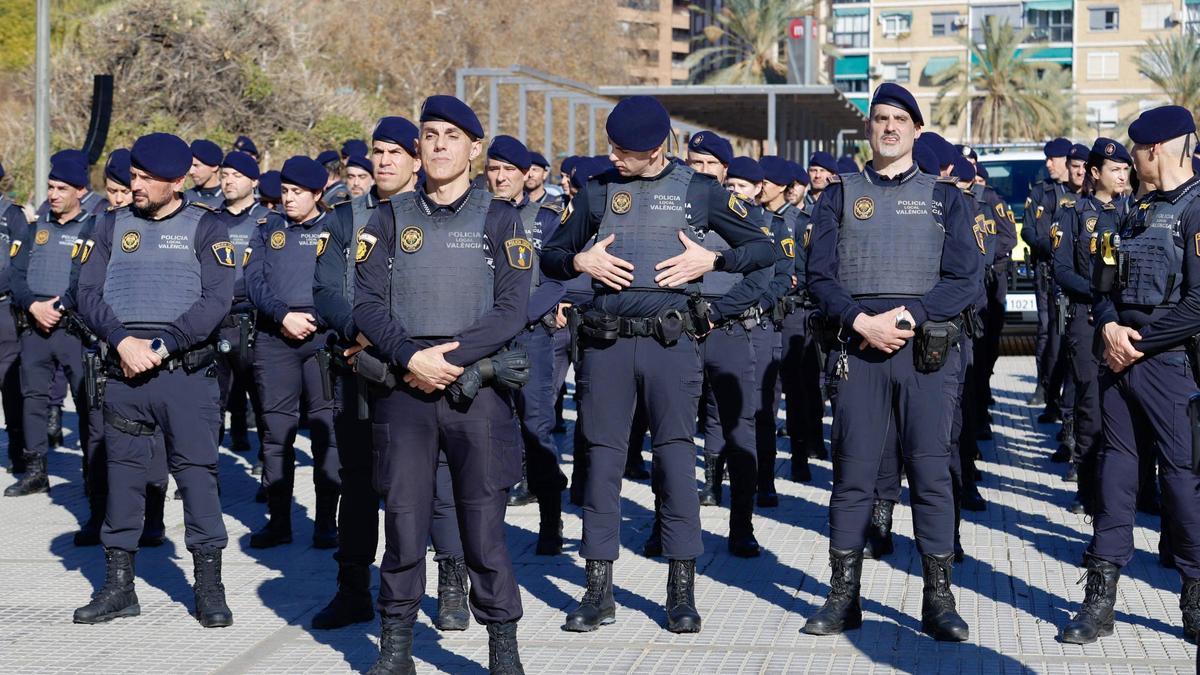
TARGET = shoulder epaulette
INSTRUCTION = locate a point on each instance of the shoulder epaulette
(262, 221)
(947, 179)
(204, 206)
(553, 206)
(343, 202)
(1110, 207)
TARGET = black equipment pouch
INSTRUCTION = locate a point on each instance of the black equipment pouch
(574, 322)
(374, 371)
(972, 323)
(671, 325)
(198, 359)
(698, 309)
(324, 365)
(246, 334)
(20, 319)
(779, 311)
(935, 340)
(1194, 419)
(600, 326)
(1061, 304)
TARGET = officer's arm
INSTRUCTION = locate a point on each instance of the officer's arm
(823, 281)
(781, 278)
(255, 275)
(580, 223)
(1006, 229)
(21, 295)
(738, 224)
(962, 259)
(510, 301)
(14, 228)
(745, 294)
(201, 320)
(330, 278)
(70, 296)
(372, 287)
(800, 268)
(1064, 257)
(1183, 320)
(549, 292)
(1029, 229)
(92, 306)
(1042, 228)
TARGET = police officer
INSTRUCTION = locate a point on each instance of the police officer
(13, 228)
(442, 286)
(1075, 237)
(156, 279)
(987, 350)
(279, 278)
(205, 173)
(1145, 320)
(334, 191)
(1039, 209)
(638, 339)
(270, 190)
(798, 189)
(242, 214)
(246, 145)
(822, 171)
(116, 180)
(43, 282)
(535, 179)
(358, 175)
(892, 250)
(353, 147)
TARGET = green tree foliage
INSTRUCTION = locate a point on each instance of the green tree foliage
(753, 31)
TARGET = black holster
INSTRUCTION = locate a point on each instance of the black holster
(246, 334)
(20, 318)
(1061, 304)
(935, 340)
(127, 426)
(94, 378)
(574, 321)
(373, 371)
(324, 366)
(599, 326)
(973, 323)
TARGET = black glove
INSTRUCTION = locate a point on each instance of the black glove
(508, 369)
(467, 385)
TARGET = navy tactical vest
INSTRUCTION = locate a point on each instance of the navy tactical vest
(646, 216)
(51, 251)
(153, 274)
(442, 279)
(889, 243)
(8, 232)
(291, 260)
(1152, 250)
(533, 231)
(713, 284)
(241, 229)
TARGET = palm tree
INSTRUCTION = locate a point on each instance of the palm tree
(1008, 98)
(1170, 64)
(753, 31)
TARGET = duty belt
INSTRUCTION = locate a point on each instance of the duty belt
(667, 327)
(191, 361)
(749, 320)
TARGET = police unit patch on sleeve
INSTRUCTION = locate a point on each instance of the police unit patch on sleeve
(1090, 223)
(131, 241)
(789, 247)
(14, 248)
(1198, 245)
(278, 239)
(566, 213)
(246, 256)
(1038, 213)
(87, 251)
(322, 243)
(366, 244)
(224, 253)
(739, 208)
(622, 202)
(520, 253)
(1000, 210)
(1056, 235)
(41, 237)
(979, 229)
(75, 248)
(411, 239)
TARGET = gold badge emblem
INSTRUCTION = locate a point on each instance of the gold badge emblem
(739, 207)
(520, 253)
(322, 243)
(411, 239)
(1110, 149)
(1056, 235)
(1040, 210)
(566, 214)
(87, 251)
(980, 234)
(1000, 210)
(622, 202)
(278, 239)
(41, 237)
(246, 256)
(366, 244)
(14, 248)
(864, 208)
(1090, 223)
(224, 253)
(78, 244)
(766, 230)
(789, 247)
(130, 241)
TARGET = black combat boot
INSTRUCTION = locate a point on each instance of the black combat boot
(54, 433)
(116, 598)
(939, 616)
(1166, 552)
(816, 450)
(503, 658)
(1051, 414)
(1066, 447)
(741, 524)
(843, 607)
(597, 607)
(520, 495)
(1189, 602)
(278, 529)
(211, 609)
(1095, 617)
(879, 531)
(550, 528)
(325, 529)
(452, 611)
(89, 534)
(395, 648)
(710, 494)
(971, 499)
(635, 467)
(801, 473)
(1038, 398)
(154, 530)
(352, 602)
(682, 616)
(34, 481)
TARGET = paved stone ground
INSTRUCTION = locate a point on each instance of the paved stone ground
(1018, 584)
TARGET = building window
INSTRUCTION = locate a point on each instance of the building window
(895, 72)
(854, 86)
(1000, 14)
(1101, 114)
(1102, 65)
(1193, 19)
(1103, 19)
(1156, 16)
(945, 23)
(896, 24)
(1049, 25)
(852, 31)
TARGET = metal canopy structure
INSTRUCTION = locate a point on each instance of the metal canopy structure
(791, 120)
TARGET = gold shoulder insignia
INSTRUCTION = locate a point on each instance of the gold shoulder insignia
(789, 247)
(224, 253)
(14, 248)
(739, 209)
(322, 243)
(87, 251)
(262, 221)
(204, 206)
(520, 253)
(1056, 235)
(366, 244)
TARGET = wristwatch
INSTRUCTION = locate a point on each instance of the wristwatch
(719, 263)
(158, 347)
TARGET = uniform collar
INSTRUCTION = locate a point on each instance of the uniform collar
(49, 217)
(431, 207)
(308, 223)
(244, 212)
(876, 178)
(208, 192)
(1174, 195)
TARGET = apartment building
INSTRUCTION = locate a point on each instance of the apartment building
(912, 42)
(657, 33)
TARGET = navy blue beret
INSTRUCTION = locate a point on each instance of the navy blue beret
(745, 168)
(244, 144)
(361, 162)
(163, 156)
(824, 160)
(711, 143)
(207, 152)
(1162, 124)
(981, 171)
(354, 148)
(568, 165)
(846, 164)
(70, 171)
(1079, 152)
(242, 163)
(966, 151)
(449, 109)
(117, 166)
(638, 124)
(538, 159)
(964, 170)
(941, 147)
(397, 130)
(588, 167)
(926, 157)
(70, 153)
(1107, 148)
(1059, 147)
(304, 172)
(799, 173)
(328, 156)
(508, 149)
(270, 186)
(890, 93)
(776, 169)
